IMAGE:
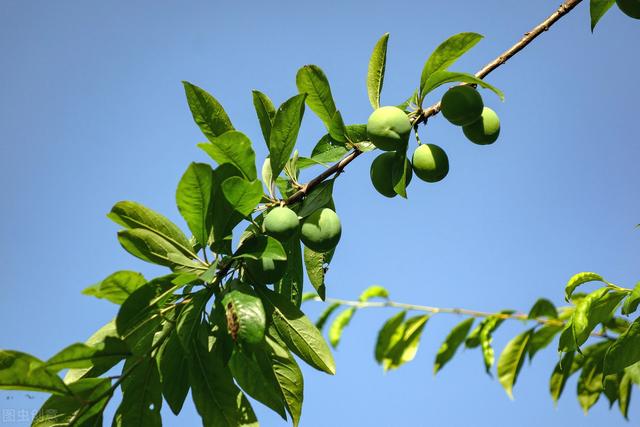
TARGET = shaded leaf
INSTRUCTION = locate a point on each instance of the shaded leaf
(101, 356)
(190, 318)
(316, 264)
(624, 395)
(590, 382)
(440, 78)
(233, 147)
(597, 9)
(292, 282)
(243, 196)
(542, 338)
(597, 307)
(451, 343)
(561, 373)
(389, 334)
(625, 351)
(141, 395)
(261, 246)
(318, 198)
(288, 376)
(173, 364)
(631, 303)
(150, 247)
(324, 316)
(400, 173)
(21, 371)
(543, 308)
(266, 111)
(405, 349)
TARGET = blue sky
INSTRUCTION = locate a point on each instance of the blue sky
(92, 112)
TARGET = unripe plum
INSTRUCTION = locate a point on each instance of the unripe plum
(382, 174)
(430, 163)
(281, 223)
(461, 105)
(485, 130)
(630, 7)
(265, 270)
(321, 230)
(388, 128)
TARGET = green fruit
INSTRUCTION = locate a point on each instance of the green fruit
(281, 223)
(382, 174)
(430, 163)
(321, 230)
(265, 270)
(461, 105)
(485, 130)
(388, 128)
(630, 7)
(246, 318)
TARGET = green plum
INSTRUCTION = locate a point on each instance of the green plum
(485, 130)
(265, 270)
(630, 7)
(321, 230)
(246, 318)
(281, 223)
(389, 128)
(461, 105)
(430, 163)
(382, 174)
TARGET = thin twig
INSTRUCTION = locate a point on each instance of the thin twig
(565, 8)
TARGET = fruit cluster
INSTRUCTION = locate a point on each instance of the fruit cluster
(389, 129)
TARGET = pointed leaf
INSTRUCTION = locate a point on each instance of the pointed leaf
(297, 331)
(440, 78)
(590, 382)
(233, 147)
(341, 321)
(312, 81)
(173, 364)
(337, 129)
(625, 351)
(207, 111)
(193, 198)
(580, 279)
(78, 356)
(597, 9)
(284, 132)
(291, 283)
(317, 264)
(375, 71)
(446, 54)
(117, 287)
(390, 333)
(319, 198)
(261, 246)
(375, 291)
(624, 395)
(450, 345)
(266, 112)
(324, 316)
(400, 173)
(190, 318)
(141, 396)
(543, 308)
(150, 247)
(597, 307)
(631, 303)
(561, 373)
(542, 338)
(242, 195)
(288, 376)
(21, 371)
(405, 349)
(511, 361)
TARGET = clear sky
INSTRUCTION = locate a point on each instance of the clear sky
(92, 111)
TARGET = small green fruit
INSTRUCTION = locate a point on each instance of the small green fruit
(485, 130)
(265, 270)
(281, 223)
(430, 163)
(461, 105)
(321, 230)
(382, 174)
(389, 128)
(246, 318)
(630, 7)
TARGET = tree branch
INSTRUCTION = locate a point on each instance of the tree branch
(565, 8)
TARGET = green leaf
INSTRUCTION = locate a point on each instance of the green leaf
(79, 356)
(190, 318)
(193, 198)
(246, 318)
(150, 247)
(341, 321)
(21, 371)
(580, 279)
(217, 399)
(633, 300)
(624, 395)
(590, 382)
(375, 291)
(511, 360)
(288, 376)
(328, 151)
(312, 81)
(450, 345)
(440, 78)
(261, 246)
(134, 215)
(284, 132)
(446, 54)
(207, 111)
(405, 349)
(117, 287)
(291, 283)
(375, 71)
(595, 308)
(242, 195)
(297, 331)
(324, 316)
(141, 395)
(60, 410)
(337, 129)
(266, 112)
(224, 217)
(543, 308)
(542, 338)
(173, 364)
(102, 334)
(319, 198)
(400, 173)
(597, 9)
(625, 351)
(267, 177)
(561, 373)
(390, 333)
(233, 147)
(316, 264)
(261, 384)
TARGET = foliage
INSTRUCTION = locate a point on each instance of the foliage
(213, 327)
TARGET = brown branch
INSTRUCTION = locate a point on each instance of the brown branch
(565, 8)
